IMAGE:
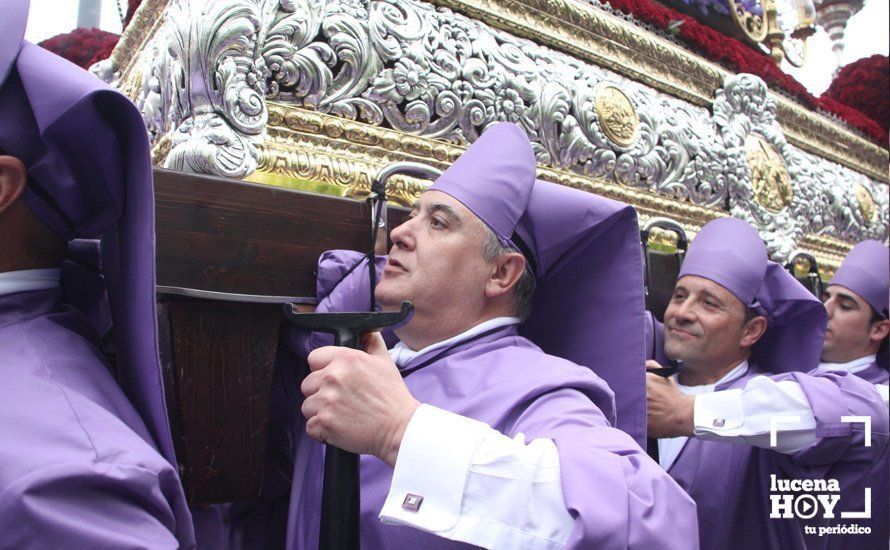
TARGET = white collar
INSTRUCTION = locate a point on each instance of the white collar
(854, 366)
(402, 354)
(26, 280)
(734, 374)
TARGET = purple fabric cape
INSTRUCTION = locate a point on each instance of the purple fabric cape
(76, 466)
(621, 498)
(86, 151)
(589, 302)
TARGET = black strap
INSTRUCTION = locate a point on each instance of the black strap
(526, 251)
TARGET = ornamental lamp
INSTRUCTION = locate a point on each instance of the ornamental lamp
(781, 27)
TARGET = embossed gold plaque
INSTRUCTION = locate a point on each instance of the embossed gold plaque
(617, 116)
(867, 206)
(769, 176)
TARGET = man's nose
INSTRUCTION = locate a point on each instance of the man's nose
(401, 235)
(684, 312)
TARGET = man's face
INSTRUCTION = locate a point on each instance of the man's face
(849, 325)
(436, 261)
(703, 324)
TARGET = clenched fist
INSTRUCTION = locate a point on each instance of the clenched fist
(357, 400)
(669, 411)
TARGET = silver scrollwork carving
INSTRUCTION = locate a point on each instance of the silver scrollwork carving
(820, 198)
(206, 75)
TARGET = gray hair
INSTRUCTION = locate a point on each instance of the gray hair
(525, 286)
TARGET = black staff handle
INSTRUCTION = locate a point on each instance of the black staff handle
(341, 494)
(664, 372)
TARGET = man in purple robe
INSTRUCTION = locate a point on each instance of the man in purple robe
(734, 318)
(856, 300)
(85, 460)
(471, 433)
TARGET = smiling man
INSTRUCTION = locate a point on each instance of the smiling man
(471, 434)
(734, 318)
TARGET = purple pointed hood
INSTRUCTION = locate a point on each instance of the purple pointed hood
(729, 252)
(589, 303)
(86, 150)
(866, 271)
(493, 178)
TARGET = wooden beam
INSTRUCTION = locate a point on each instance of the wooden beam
(228, 236)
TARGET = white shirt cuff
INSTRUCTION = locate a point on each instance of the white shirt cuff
(749, 415)
(719, 413)
(436, 490)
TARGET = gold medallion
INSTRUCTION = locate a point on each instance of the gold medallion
(769, 176)
(867, 206)
(617, 116)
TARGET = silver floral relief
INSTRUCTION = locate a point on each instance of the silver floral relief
(846, 204)
(207, 74)
(822, 197)
(742, 109)
(408, 65)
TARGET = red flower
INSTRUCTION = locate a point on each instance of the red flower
(82, 47)
(863, 85)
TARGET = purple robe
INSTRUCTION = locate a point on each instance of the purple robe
(87, 460)
(734, 513)
(618, 495)
(78, 469)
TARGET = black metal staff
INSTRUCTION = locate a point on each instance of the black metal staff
(377, 200)
(341, 488)
(682, 245)
(340, 491)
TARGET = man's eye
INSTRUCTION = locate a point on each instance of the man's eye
(436, 222)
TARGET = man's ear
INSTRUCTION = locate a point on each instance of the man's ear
(505, 272)
(753, 331)
(879, 330)
(13, 178)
